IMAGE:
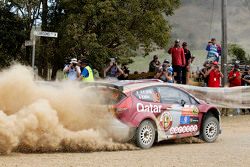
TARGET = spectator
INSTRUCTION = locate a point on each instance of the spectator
(186, 68)
(234, 76)
(245, 73)
(246, 79)
(203, 76)
(112, 71)
(165, 73)
(87, 73)
(214, 50)
(125, 74)
(178, 60)
(72, 71)
(214, 76)
(155, 64)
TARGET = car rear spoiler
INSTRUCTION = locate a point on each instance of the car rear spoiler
(97, 84)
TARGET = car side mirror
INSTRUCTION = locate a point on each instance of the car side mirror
(182, 103)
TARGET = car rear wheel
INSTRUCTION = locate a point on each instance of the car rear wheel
(145, 134)
(210, 129)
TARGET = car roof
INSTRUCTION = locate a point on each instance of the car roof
(130, 85)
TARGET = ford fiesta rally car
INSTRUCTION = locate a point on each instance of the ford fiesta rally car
(158, 111)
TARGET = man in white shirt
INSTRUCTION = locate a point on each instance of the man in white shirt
(72, 71)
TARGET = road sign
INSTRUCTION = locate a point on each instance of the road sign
(28, 43)
(46, 34)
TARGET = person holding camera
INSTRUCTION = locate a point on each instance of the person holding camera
(72, 71)
(165, 73)
(234, 76)
(214, 75)
(113, 71)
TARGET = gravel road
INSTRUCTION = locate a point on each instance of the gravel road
(231, 149)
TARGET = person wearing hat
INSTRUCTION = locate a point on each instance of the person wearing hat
(234, 76)
(165, 73)
(214, 75)
(178, 60)
(186, 69)
(234, 79)
(213, 50)
(87, 73)
(72, 71)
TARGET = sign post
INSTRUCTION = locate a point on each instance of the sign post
(40, 34)
(224, 41)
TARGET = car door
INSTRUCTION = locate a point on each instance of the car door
(180, 114)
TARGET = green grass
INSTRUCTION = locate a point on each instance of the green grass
(141, 64)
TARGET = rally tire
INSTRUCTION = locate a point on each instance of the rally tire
(210, 129)
(145, 134)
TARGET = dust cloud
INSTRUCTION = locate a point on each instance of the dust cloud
(54, 117)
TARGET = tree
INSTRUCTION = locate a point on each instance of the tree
(12, 36)
(28, 11)
(237, 52)
(99, 29)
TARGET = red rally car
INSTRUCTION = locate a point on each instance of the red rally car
(159, 111)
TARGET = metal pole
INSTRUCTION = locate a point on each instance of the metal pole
(34, 52)
(224, 40)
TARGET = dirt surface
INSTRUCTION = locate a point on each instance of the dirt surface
(231, 149)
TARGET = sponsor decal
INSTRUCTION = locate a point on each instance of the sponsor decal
(194, 120)
(195, 110)
(190, 110)
(148, 108)
(166, 121)
(183, 129)
(185, 120)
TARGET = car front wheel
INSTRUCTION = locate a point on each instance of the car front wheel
(210, 129)
(145, 134)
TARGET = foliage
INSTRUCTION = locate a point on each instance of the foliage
(237, 52)
(113, 28)
(95, 29)
(12, 36)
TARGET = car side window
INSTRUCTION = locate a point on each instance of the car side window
(172, 95)
(193, 101)
(149, 94)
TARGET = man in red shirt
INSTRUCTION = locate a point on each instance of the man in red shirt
(214, 76)
(178, 60)
(234, 76)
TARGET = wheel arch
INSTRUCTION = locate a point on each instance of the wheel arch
(213, 111)
(154, 124)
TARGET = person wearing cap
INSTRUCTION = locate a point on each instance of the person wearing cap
(234, 79)
(155, 64)
(72, 71)
(165, 73)
(186, 68)
(178, 60)
(213, 50)
(214, 76)
(87, 73)
(234, 76)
